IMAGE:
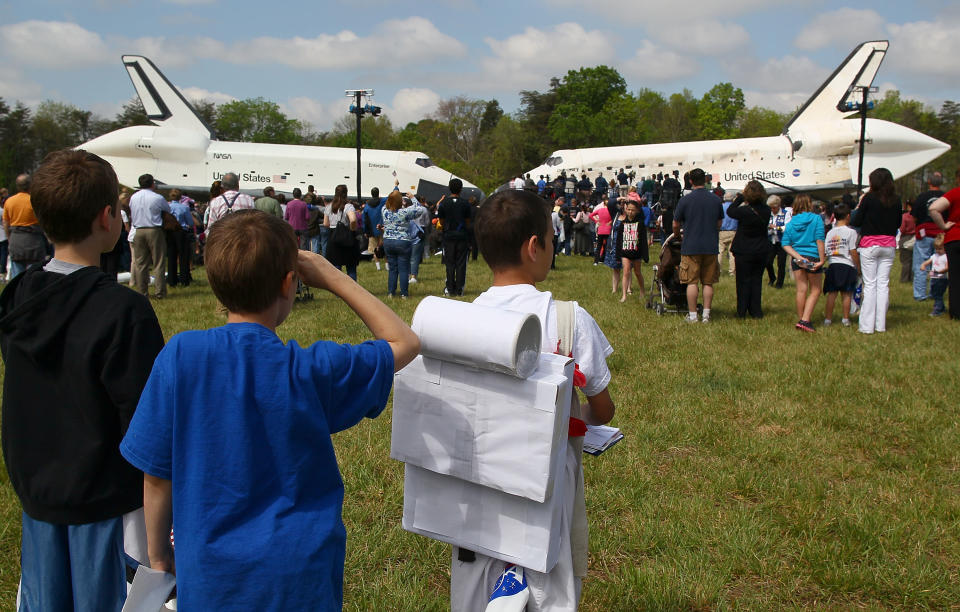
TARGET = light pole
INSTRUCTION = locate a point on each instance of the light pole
(862, 107)
(359, 109)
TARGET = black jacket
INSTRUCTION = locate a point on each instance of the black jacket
(78, 349)
(752, 221)
(875, 219)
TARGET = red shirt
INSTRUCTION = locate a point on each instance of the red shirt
(953, 214)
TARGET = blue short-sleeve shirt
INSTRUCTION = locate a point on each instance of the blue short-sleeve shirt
(240, 423)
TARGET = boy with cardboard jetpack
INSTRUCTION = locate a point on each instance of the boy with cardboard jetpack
(514, 233)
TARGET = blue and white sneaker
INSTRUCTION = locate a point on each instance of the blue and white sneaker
(511, 593)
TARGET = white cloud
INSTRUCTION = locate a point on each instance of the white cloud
(653, 63)
(702, 37)
(411, 104)
(778, 101)
(925, 48)
(320, 115)
(394, 42)
(838, 28)
(52, 44)
(778, 74)
(199, 93)
(530, 58)
(15, 86)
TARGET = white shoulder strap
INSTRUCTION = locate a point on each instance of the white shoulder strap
(566, 324)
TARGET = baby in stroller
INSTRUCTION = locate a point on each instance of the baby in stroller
(669, 294)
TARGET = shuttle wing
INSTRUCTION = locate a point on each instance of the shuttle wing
(829, 102)
(164, 104)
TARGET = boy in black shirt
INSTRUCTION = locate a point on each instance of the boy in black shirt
(78, 349)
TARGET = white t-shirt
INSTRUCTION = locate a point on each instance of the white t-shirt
(938, 266)
(840, 241)
(590, 347)
(336, 217)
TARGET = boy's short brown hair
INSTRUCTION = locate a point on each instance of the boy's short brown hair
(69, 190)
(506, 220)
(247, 256)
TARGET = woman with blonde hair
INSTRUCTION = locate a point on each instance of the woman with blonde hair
(803, 240)
(397, 240)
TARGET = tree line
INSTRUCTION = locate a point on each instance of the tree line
(475, 138)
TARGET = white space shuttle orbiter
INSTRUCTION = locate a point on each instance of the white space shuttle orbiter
(182, 151)
(818, 149)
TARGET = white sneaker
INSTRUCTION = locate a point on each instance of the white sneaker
(412, 281)
(387, 265)
(691, 317)
(845, 322)
(378, 265)
(705, 319)
(827, 322)
(511, 592)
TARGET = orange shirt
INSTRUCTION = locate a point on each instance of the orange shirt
(18, 211)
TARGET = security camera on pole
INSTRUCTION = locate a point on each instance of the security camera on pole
(861, 107)
(360, 109)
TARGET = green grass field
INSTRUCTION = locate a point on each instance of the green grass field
(763, 468)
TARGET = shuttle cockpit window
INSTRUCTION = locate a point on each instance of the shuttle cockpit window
(553, 161)
(425, 162)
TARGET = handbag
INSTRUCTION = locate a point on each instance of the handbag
(342, 236)
(170, 223)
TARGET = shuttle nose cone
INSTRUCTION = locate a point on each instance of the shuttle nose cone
(897, 148)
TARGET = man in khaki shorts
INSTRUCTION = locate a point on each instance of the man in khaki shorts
(700, 214)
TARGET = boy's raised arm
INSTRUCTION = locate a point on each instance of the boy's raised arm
(377, 316)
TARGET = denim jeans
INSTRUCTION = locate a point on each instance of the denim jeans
(324, 237)
(314, 244)
(416, 255)
(17, 268)
(938, 287)
(875, 265)
(398, 258)
(922, 251)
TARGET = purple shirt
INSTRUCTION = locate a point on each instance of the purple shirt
(297, 215)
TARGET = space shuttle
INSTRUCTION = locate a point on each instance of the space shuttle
(818, 150)
(180, 150)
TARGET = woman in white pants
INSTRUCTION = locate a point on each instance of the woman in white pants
(878, 218)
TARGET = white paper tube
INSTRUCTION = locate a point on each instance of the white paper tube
(479, 336)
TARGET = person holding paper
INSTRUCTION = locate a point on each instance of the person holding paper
(514, 233)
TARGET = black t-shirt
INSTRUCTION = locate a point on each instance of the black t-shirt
(455, 215)
(920, 209)
(698, 212)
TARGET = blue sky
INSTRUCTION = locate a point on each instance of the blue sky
(303, 55)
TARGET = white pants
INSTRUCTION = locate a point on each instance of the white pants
(875, 265)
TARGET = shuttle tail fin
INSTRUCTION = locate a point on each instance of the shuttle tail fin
(163, 102)
(829, 102)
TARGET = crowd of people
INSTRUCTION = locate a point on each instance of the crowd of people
(838, 248)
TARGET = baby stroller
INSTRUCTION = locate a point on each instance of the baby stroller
(303, 292)
(669, 294)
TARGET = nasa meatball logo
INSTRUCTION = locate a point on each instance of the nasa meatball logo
(796, 172)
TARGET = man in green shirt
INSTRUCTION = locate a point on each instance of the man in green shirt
(268, 203)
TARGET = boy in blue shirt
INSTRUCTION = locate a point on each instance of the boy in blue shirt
(233, 429)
